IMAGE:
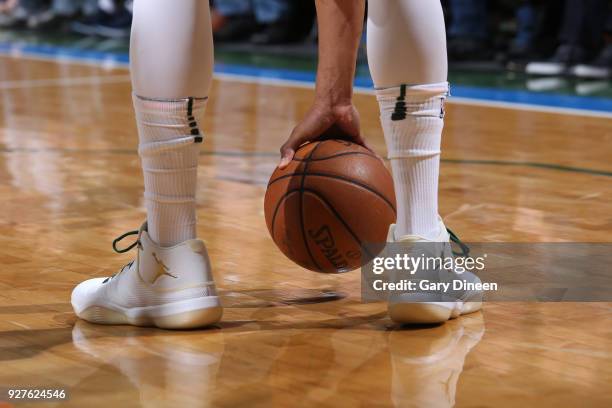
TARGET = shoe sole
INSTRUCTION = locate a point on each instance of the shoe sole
(186, 314)
(430, 312)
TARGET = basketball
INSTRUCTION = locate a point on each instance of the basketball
(333, 197)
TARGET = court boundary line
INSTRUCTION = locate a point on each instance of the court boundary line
(108, 63)
(239, 154)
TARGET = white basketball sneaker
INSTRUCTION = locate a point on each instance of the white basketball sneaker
(431, 307)
(171, 288)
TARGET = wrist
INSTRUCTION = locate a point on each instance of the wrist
(334, 85)
(333, 97)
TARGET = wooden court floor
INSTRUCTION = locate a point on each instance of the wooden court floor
(70, 182)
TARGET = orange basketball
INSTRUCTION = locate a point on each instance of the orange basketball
(332, 198)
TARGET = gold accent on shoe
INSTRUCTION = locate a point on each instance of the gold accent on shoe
(161, 270)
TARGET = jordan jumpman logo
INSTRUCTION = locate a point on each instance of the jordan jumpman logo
(161, 269)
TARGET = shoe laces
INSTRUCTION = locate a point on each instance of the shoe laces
(116, 241)
(465, 250)
(123, 236)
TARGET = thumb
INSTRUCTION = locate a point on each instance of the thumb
(311, 127)
(287, 153)
(299, 135)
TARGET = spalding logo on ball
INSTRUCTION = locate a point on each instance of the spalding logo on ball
(334, 197)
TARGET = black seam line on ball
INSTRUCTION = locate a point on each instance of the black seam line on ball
(333, 210)
(333, 176)
(278, 204)
(328, 205)
(338, 155)
(304, 238)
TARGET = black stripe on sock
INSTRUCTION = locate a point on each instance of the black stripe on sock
(190, 107)
(400, 106)
(192, 122)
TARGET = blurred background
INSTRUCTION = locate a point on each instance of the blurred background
(540, 45)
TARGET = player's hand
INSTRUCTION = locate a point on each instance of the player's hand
(323, 121)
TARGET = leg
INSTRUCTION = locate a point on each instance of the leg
(407, 55)
(171, 54)
(406, 42)
(169, 284)
(171, 49)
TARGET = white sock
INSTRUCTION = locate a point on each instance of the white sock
(169, 146)
(412, 121)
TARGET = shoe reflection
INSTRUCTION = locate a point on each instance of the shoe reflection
(426, 362)
(285, 364)
(167, 368)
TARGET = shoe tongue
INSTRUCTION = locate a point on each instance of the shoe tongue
(143, 228)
